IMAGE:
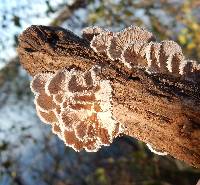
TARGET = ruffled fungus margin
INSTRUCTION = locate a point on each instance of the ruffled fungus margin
(78, 106)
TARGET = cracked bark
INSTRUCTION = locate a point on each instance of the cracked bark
(161, 110)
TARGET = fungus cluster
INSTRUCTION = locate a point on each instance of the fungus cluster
(78, 106)
(136, 47)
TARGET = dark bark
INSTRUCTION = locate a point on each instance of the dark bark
(158, 109)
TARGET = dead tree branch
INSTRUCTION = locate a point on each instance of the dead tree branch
(162, 110)
(64, 15)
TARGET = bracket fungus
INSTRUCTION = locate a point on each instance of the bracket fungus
(89, 32)
(155, 151)
(136, 48)
(78, 106)
(123, 38)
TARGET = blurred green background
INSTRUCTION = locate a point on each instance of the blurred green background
(29, 153)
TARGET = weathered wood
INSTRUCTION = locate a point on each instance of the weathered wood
(161, 110)
(65, 14)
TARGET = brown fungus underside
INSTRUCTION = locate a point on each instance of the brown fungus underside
(78, 106)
